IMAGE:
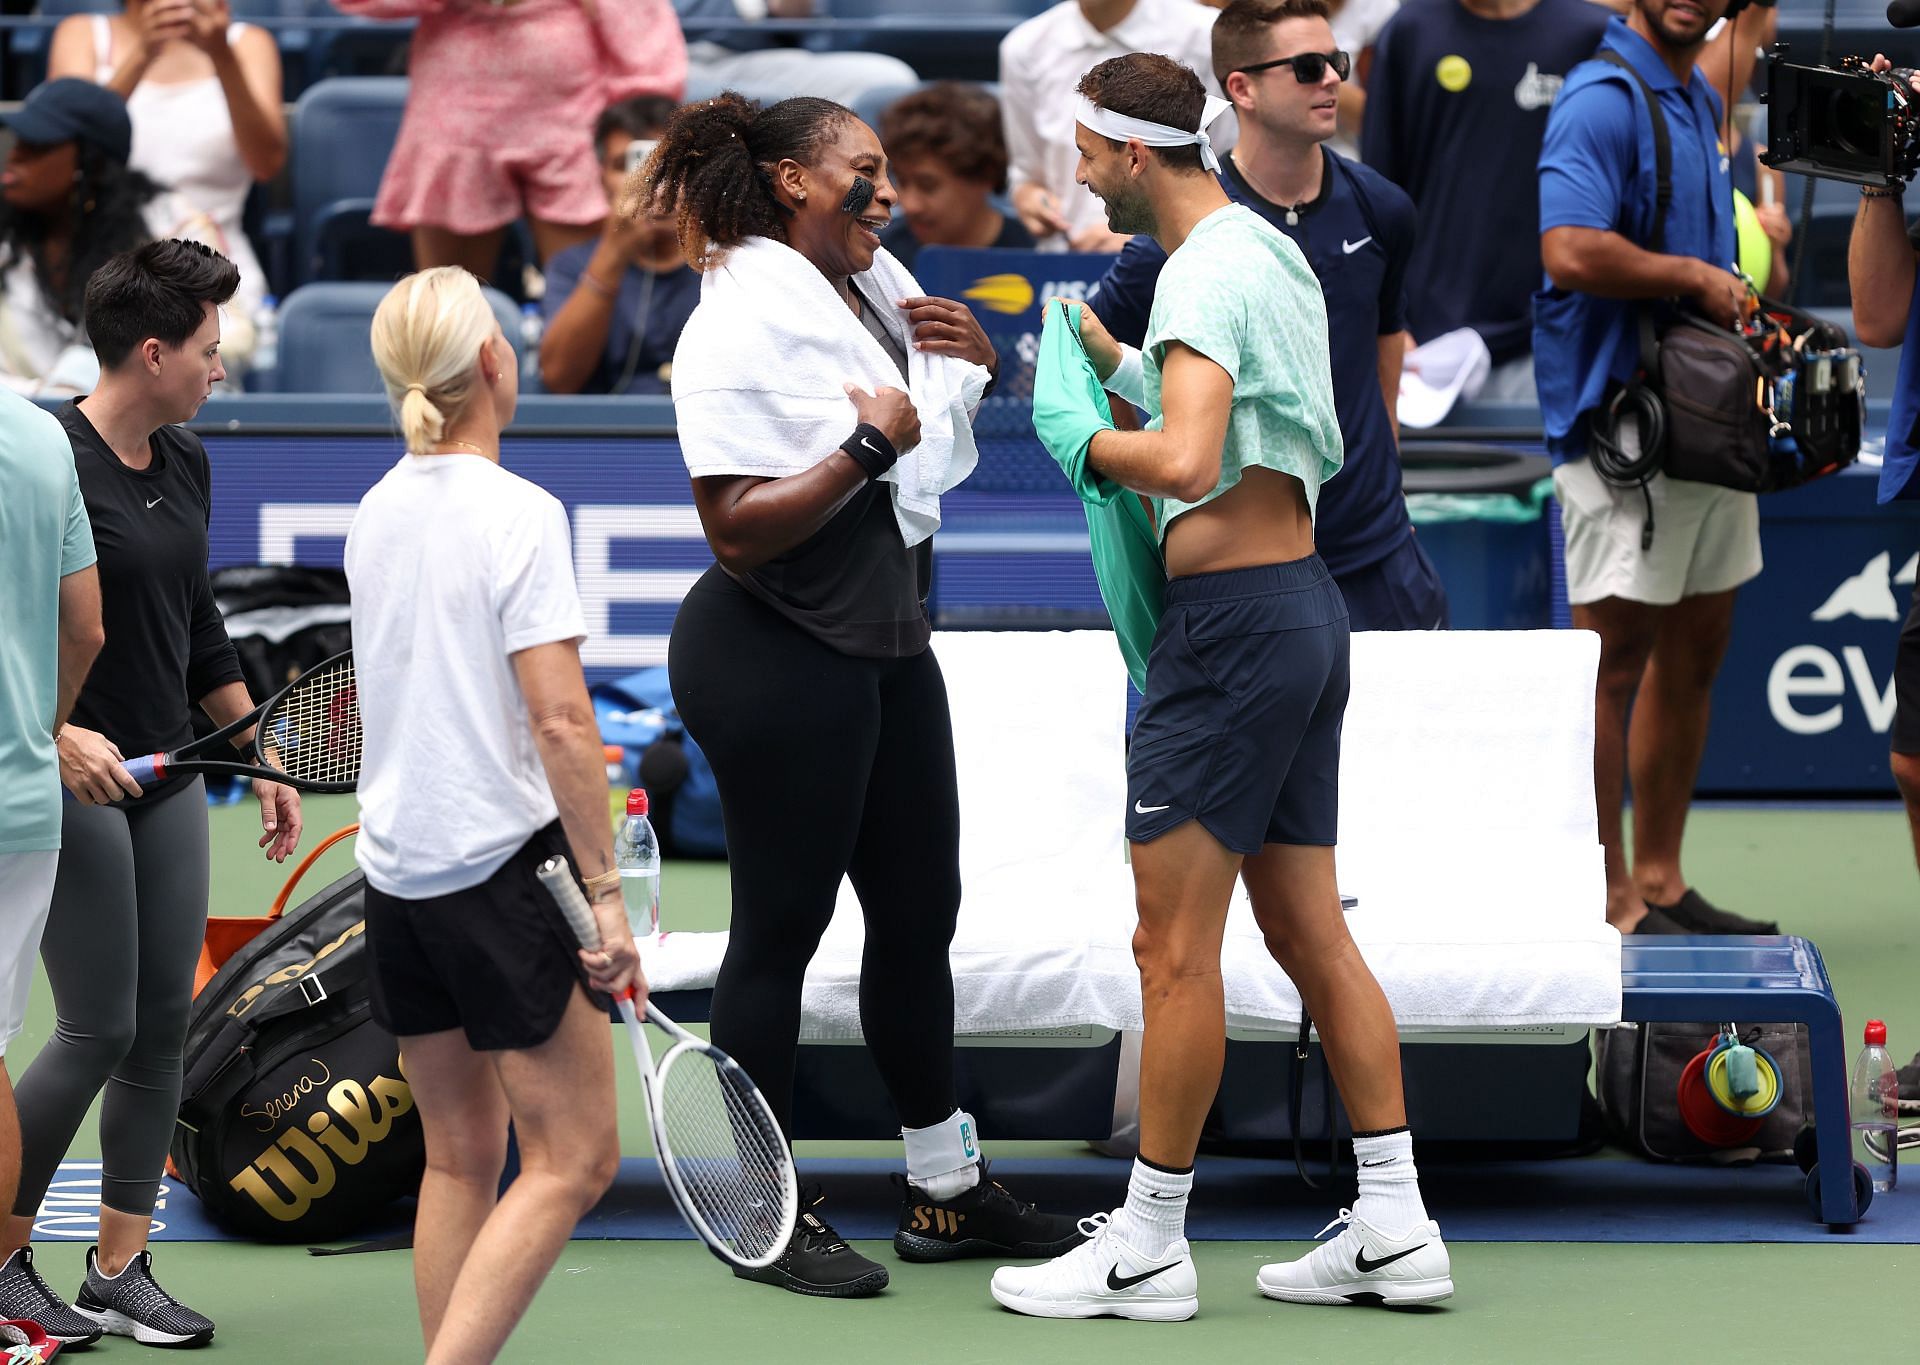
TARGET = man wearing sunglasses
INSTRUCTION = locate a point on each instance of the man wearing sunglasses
(1277, 62)
(1457, 102)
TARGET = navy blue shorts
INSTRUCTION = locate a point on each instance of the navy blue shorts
(1401, 592)
(1246, 692)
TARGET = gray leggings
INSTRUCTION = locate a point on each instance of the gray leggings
(123, 937)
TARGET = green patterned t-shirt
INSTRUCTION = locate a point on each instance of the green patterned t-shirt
(1239, 292)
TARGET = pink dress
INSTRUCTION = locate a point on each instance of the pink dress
(500, 113)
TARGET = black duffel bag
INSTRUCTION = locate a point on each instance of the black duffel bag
(1637, 1070)
(296, 1123)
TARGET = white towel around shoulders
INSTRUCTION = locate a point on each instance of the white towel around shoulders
(759, 371)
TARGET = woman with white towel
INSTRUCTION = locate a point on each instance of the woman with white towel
(823, 406)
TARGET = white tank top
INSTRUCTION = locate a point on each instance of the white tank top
(183, 138)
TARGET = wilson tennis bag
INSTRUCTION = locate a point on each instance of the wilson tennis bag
(296, 1123)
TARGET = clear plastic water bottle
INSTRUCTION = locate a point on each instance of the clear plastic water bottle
(531, 326)
(266, 339)
(636, 852)
(1876, 1108)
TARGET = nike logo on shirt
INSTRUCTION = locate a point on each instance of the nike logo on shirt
(1351, 247)
(1365, 1266)
(161, 498)
(1139, 809)
(1115, 1280)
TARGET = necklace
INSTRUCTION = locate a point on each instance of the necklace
(1293, 210)
(464, 445)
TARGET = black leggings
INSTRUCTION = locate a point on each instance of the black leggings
(827, 765)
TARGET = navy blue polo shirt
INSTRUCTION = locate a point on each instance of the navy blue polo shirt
(1456, 108)
(1597, 170)
(1358, 236)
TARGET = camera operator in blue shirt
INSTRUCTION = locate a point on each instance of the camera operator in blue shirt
(1881, 275)
(1661, 602)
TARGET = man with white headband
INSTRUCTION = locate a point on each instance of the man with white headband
(1233, 770)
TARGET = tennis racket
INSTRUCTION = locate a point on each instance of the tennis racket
(722, 1154)
(308, 736)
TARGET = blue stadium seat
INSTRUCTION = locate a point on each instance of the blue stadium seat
(343, 132)
(935, 37)
(324, 330)
(875, 101)
(1823, 264)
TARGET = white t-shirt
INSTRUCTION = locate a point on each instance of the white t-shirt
(454, 565)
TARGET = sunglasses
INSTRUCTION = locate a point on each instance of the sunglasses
(1308, 67)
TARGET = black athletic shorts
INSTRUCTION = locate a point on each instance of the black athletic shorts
(1906, 683)
(496, 960)
(1246, 692)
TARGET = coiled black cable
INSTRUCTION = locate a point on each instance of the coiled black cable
(1636, 403)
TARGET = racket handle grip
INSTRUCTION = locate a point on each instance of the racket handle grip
(557, 875)
(145, 770)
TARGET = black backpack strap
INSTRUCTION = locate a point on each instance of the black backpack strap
(1662, 196)
(1662, 147)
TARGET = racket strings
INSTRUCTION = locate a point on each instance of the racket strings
(313, 735)
(728, 1151)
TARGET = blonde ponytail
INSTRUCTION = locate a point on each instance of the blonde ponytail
(427, 334)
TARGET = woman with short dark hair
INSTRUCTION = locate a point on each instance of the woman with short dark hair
(823, 404)
(130, 896)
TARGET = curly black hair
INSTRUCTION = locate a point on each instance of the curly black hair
(717, 161)
(107, 219)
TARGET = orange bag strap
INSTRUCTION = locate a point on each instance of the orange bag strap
(286, 892)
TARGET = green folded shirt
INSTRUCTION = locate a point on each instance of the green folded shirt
(1069, 410)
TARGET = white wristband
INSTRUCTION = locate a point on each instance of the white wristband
(1129, 377)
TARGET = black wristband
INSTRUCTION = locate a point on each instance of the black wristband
(869, 448)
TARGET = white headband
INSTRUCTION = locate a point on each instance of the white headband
(1122, 128)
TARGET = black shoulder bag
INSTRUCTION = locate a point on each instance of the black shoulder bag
(1761, 410)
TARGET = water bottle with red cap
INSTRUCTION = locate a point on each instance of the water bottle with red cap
(1876, 1108)
(636, 852)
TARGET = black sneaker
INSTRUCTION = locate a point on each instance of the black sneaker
(132, 1304)
(818, 1262)
(1698, 915)
(24, 1295)
(983, 1221)
(1909, 1076)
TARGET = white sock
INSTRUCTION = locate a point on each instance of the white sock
(944, 1159)
(1155, 1214)
(1389, 1185)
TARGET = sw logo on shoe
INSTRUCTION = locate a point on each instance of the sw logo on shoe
(946, 1222)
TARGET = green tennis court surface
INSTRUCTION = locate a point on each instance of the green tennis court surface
(1843, 878)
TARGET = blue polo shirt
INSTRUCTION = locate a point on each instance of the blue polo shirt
(1597, 170)
(1900, 470)
(1358, 236)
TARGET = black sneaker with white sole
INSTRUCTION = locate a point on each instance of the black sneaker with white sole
(132, 1304)
(983, 1221)
(818, 1262)
(25, 1296)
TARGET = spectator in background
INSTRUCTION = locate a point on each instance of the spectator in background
(498, 113)
(204, 95)
(1457, 107)
(773, 64)
(1728, 62)
(1042, 61)
(946, 157)
(615, 306)
(68, 201)
(1357, 232)
(1356, 28)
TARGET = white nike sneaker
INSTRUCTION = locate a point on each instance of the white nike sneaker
(1364, 1265)
(1103, 1277)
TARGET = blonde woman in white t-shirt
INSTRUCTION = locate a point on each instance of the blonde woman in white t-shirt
(482, 760)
